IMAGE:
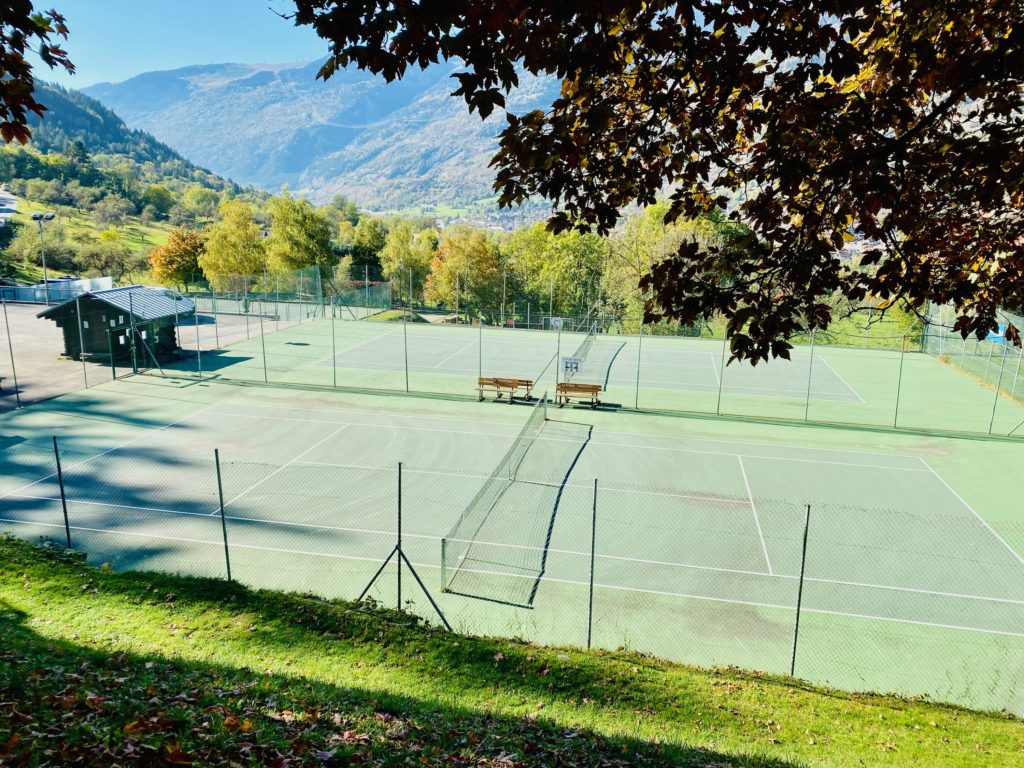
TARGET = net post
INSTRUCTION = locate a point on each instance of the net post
(800, 592)
(399, 545)
(10, 349)
(63, 496)
(593, 554)
(899, 383)
(999, 384)
(223, 518)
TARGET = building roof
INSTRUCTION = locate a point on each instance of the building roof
(144, 303)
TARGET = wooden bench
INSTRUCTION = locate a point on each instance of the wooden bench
(503, 386)
(570, 390)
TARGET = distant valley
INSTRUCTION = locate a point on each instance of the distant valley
(402, 146)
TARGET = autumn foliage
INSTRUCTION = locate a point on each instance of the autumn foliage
(811, 121)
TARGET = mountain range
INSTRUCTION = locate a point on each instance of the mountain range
(397, 146)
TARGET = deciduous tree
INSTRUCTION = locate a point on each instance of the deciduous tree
(177, 260)
(234, 245)
(21, 30)
(814, 121)
(299, 236)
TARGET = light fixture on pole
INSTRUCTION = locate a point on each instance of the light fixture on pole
(39, 218)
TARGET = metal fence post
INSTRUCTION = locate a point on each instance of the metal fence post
(593, 554)
(334, 351)
(263, 346)
(223, 519)
(999, 383)
(81, 340)
(110, 350)
(216, 324)
(63, 496)
(199, 349)
(480, 349)
(10, 348)
(800, 593)
(721, 374)
(639, 356)
(405, 346)
(399, 537)
(899, 383)
(810, 368)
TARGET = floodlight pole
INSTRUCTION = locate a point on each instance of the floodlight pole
(39, 218)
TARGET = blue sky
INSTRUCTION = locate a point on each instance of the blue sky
(112, 40)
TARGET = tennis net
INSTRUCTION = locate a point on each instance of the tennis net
(583, 349)
(456, 544)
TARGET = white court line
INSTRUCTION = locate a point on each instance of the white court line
(459, 351)
(757, 520)
(282, 467)
(145, 434)
(592, 442)
(971, 509)
(515, 427)
(714, 367)
(705, 598)
(333, 355)
(838, 376)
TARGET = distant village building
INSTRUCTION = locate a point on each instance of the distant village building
(122, 322)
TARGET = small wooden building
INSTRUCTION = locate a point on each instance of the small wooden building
(121, 322)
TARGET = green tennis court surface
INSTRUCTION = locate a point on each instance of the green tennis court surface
(914, 580)
(883, 386)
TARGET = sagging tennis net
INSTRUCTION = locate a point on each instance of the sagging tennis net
(456, 544)
(584, 348)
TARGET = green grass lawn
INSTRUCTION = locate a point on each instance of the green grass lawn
(101, 668)
(136, 234)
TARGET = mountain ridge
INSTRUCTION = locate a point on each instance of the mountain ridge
(401, 145)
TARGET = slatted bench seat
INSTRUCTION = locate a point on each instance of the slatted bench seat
(503, 386)
(584, 393)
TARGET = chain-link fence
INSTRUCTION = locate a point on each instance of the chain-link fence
(860, 599)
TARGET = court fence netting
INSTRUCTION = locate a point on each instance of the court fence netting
(320, 328)
(854, 598)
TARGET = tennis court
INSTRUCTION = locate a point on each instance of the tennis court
(883, 386)
(698, 532)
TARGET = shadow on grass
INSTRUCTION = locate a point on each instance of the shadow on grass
(127, 702)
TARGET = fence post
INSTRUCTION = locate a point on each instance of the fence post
(800, 593)
(63, 496)
(10, 348)
(216, 324)
(199, 349)
(399, 537)
(81, 339)
(593, 554)
(334, 350)
(899, 383)
(639, 355)
(810, 368)
(405, 346)
(480, 348)
(366, 288)
(223, 519)
(999, 383)
(263, 346)
(721, 373)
